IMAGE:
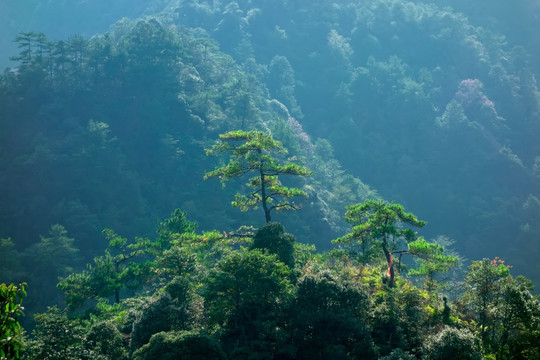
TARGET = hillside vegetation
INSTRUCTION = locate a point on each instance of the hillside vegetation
(331, 110)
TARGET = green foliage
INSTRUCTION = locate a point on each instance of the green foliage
(484, 278)
(272, 237)
(398, 354)
(10, 329)
(176, 225)
(432, 260)
(401, 317)
(329, 319)
(176, 261)
(191, 253)
(180, 346)
(106, 341)
(57, 338)
(504, 308)
(259, 294)
(452, 344)
(244, 296)
(119, 268)
(169, 310)
(115, 124)
(251, 151)
(153, 82)
(517, 314)
(245, 277)
(10, 268)
(373, 220)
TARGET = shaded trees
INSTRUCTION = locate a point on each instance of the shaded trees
(244, 295)
(483, 278)
(180, 346)
(273, 238)
(11, 266)
(57, 338)
(169, 310)
(105, 339)
(54, 256)
(124, 265)
(329, 319)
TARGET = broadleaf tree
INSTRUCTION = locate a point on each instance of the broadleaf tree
(10, 309)
(252, 152)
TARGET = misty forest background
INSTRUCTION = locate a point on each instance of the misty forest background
(106, 108)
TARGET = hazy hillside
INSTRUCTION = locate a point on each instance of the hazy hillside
(421, 103)
(107, 111)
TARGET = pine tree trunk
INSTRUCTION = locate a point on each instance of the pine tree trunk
(389, 262)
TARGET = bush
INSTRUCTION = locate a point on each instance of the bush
(105, 339)
(170, 310)
(398, 354)
(273, 238)
(180, 346)
(452, 344)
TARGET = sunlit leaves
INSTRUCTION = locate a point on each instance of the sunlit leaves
(10, 309)
(505, 309)
(252, 152)
(432, 260)
(373, 220)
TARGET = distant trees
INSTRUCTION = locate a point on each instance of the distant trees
(31, 45)
(124, 265)
(251, 152)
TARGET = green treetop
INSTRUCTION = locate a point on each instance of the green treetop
(251, 152)
(373, 220)
(124, 265)
(432, 260)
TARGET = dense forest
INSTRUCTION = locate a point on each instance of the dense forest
(147, 170)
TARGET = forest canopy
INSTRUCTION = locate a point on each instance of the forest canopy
(106, 133)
